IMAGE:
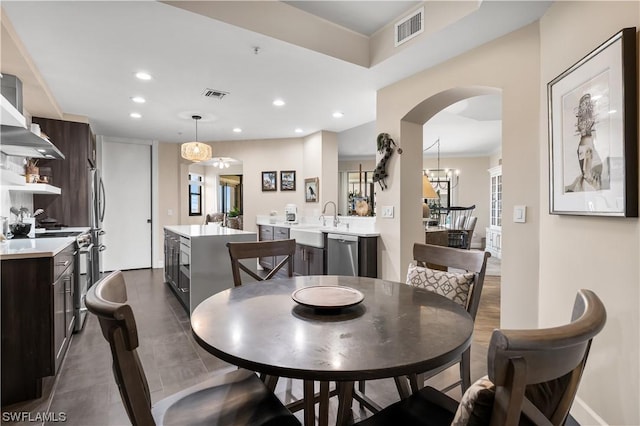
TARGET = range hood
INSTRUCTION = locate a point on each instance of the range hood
(21, 142)
(16, 140)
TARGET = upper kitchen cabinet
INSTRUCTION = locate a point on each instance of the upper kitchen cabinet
(77, 143)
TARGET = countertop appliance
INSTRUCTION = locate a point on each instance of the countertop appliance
(97, 208)
(291, 213)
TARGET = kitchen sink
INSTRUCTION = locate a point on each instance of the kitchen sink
(307, 235)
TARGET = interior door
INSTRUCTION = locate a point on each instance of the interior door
(126, 173)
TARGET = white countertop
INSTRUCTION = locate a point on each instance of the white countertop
(28, 248)
(340, 229)
(210, 230)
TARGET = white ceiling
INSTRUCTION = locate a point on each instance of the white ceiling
(88, 52)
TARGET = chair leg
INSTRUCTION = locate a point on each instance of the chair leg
(345, 399)
(465, 370)
(361, 388)
(323, 406)
(309, 403)
(402, 386)
(270, 382)
(416, 381)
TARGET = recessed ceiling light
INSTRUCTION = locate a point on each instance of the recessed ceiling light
(237, 129)
(135, 115)
(298, 130)
(338, 114)
(278, 102)
(138, 99)
(143, 75)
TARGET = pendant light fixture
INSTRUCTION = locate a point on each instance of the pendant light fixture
(196, 151)
(440, 177)
(221, 163)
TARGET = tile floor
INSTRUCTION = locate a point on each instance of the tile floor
(85, 390)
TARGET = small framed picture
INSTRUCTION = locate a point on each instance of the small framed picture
(287, 180)
(311, 190)
(593, 132)
(269, 181)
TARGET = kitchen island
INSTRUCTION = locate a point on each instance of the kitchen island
(196, 260)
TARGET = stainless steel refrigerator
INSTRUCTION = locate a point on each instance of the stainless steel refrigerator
(97, 207)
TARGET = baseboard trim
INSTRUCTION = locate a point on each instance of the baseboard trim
(584, 415)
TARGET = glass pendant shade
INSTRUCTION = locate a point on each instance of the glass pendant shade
(196, 151)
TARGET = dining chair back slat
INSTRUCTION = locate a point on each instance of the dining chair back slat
(256, 249)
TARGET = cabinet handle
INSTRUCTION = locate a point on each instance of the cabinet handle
(184, 290)
(65, 263)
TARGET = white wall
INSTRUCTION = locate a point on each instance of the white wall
(601, 254)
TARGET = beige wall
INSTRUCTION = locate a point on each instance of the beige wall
(168, 201)
(601, 254)
(509, 64)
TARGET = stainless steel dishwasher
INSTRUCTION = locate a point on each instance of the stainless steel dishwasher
(342, 255)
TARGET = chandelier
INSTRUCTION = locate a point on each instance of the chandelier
(440, 178)
(196, 151)
(221, 163)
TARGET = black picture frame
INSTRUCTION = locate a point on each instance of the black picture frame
(269, 181)
(593, 132)
(287, 180)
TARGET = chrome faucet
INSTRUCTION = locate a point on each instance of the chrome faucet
(335, 213)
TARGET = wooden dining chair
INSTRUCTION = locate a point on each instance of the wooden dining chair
(463, 286)
(457, 219)
(533, 377)
(282, 250)
(235, 398)
(470, 226)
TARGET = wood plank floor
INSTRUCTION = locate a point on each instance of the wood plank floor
(86, 393)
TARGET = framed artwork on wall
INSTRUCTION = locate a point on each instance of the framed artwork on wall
(593, 139)
(311, 190)
(287, 180)
(269, 181)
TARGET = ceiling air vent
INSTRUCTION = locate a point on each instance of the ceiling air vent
(409, 27)
(213, 93)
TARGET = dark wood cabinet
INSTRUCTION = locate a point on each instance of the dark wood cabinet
(37, 321)
(71, 175)
(266, 233)
(308, 261)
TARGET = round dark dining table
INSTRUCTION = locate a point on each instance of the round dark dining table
(395, 330)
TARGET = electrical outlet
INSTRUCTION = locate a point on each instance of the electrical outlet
(387, 211)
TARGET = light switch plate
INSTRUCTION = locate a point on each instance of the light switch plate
(520, 214)
(387, 212)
